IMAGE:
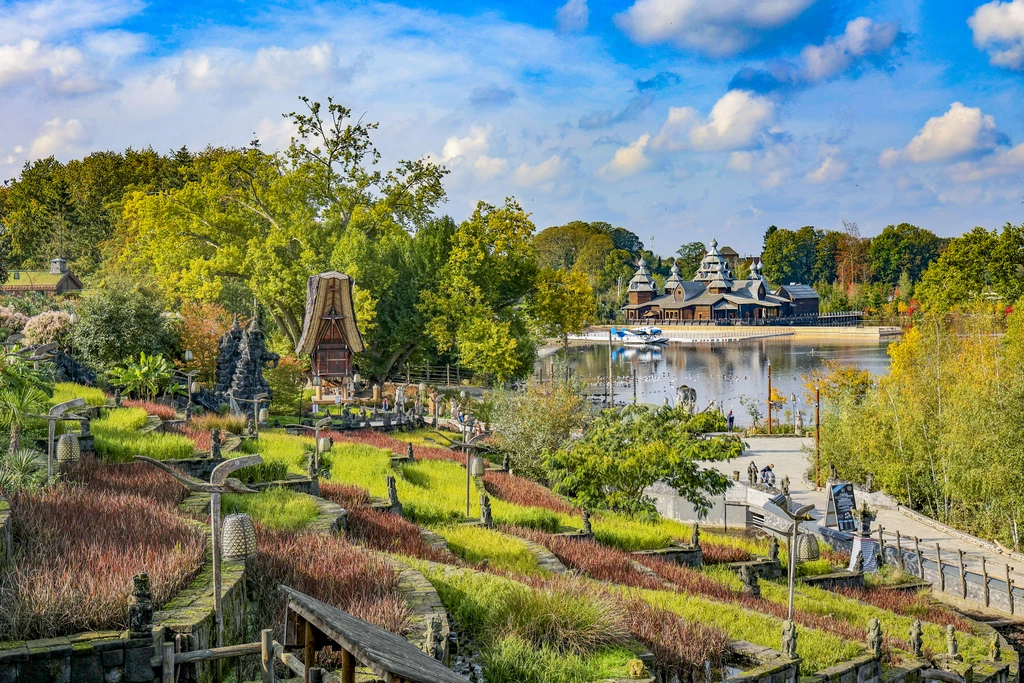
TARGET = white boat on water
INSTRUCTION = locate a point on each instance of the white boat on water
(641, 336)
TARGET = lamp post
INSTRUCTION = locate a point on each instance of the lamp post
(320, 424)
(55, 415)
(316, 383)
(769, 396)
(800, 515)
(73, 319)
(817, 434)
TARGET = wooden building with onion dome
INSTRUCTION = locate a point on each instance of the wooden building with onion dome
(329, 332)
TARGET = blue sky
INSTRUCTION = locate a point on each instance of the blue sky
(678, 119)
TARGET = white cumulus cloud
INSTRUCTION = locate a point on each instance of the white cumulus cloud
(1005, 161)
(627, 161)
(473, 144)
(543, 172)
(573, 16)
(830, 168)
(29, 58)
(270, 68)
(717, 28)
(998, 29)
(737, 120)
(57, 135)
(959, 133)
(861, 38)
(486, 167)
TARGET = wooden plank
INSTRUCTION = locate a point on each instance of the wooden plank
(167, 674)
(388, 655)
(218, 653)
(348, 667)
(267, 655)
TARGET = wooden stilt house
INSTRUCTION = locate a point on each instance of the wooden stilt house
(329, 332)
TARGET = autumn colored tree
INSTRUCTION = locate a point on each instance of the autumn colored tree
(202, 326)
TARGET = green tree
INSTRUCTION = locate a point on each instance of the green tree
(825, 252)
(789, 256)
(561, 304)
(690, 256)
(120, 322)
(902, 248)
(624, 451)
(980, 265)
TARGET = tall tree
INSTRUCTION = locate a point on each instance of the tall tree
(789, 255)
(902, 248)
(853, 264)
(690, 256)
(980, 265)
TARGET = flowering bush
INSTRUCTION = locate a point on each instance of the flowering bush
(49, 327)
(11, 321)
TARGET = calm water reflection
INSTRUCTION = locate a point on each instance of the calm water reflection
(722, 372)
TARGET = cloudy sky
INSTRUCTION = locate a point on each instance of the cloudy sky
(678, 119)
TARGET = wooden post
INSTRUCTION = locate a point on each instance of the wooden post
(267, 655)
(611, 378)
(938, 561)
(316, 675)
(817, 435)
(963, 575)
(426, 364)
(348, 667)
(167, 672)
(920, 558)
(458, 375)
(448, 375)
(769, 398)
(1009, 587)
(309, 654)
(899, 551)
(881, 545)
(984, 579)
(215, 527)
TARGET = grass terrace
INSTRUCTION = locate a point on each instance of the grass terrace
(489, 548)
(288, 453)
(118, 438)
(276, 508)
(68, 391)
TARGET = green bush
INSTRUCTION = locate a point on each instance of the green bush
(277, 507)
(121, 321)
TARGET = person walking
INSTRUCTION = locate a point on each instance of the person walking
(384, 404)
(731, 419)
(768, 476)
(752, 473)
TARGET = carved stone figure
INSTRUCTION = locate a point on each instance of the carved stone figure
(117, 398)
(485, 511)
(227, 359)
(751, 584)
(799, 423)
(587, 528)
(916, 638)
(394, 505)
(785, 485)
(215, 443)
(773, 549)
(875, 637)
(695, 535)
(253, 357)
(410, 456)
(995, 649)
(789, 639)
(869, 482)
(752, 474)
(453, 406)
(952, 646)
(433, 645)
(140, 607)
(833, 472)
(506, 463)
(400, 397)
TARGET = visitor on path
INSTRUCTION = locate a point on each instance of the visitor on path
(731, 419)
(752, 473)
(384, 404)
(768, 476)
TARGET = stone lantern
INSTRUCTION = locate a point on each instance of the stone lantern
(68, 448)
(478, 467)
(238, 537)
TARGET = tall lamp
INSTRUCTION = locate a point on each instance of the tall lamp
(801, 514)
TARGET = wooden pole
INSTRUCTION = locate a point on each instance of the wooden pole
(769, 398)
(267, 655)
(611, 382)
(309, 654)
(899, 551)
(963, 575)
(1009, 587)
(215, 528)
(167, 672)
(881, 544)
(984, 579)
(469, 464)
(348, 667)
(49, 448)
(817, 435)
(938, 561)
(920, 558)
(448, 375)
(316, 675)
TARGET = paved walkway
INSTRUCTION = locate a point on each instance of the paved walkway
(793, 457)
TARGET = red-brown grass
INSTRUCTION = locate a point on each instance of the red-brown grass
(78, 548)
(679, 646)
(723, 554)
(380, 530)
(390, 443)
(913, 605)
(520, 491)
(328, 568)
(202, 438)
(136, 478)
(151, 408)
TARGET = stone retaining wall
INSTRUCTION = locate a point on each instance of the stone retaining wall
(689, 556)
(835, 580)
(424, 605)
(96, 657)
(769, 666)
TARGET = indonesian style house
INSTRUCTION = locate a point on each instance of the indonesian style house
(329, 332)
(713, 294)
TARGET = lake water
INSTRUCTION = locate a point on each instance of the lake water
(723, 372)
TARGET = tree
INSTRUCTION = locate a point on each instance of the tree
(19, 405)
(561, 304)
(772, 229)
(144, 377)
(825, 257)
(475, 310)
(625, 451)
(690, 256)
(789, 255)
(902, 248)
(979, 265)
(202, 326)
(5, 254)
(852, 260)
(119, 322)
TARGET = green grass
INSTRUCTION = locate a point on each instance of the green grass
(475, 544)
(818, 650)
(118, 438)
(513, 660)
(418, 437)
(278, 447)
(278, 508)
(67, 391)
(619, 531)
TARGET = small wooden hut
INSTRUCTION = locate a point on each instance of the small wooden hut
(329, 332)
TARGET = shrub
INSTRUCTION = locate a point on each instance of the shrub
(202, 326)
(78, 550)
(138, 478)
(49, 327)
(66, 391)
(680, 647)
(286, 383)
(520, 491)
(11, 321)
(119, 322)
(277, 508)
(156, 409)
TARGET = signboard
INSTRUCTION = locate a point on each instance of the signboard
(841, 504)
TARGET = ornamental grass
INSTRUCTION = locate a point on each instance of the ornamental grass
(160, 410)
(78, 548)
(202, 439)
(142, 479)
(328, 568)
(235, 424)
(292, 452)
(520, 491)
(67, 391)
(277, 508)
(723, 554)
(679, 646)
(387, 442)
(118, 438)
(489, 549)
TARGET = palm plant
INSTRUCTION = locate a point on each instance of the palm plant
(21, 469)
(17, 406)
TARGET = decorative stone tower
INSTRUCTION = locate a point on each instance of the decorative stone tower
(252, 358)
(227, 360)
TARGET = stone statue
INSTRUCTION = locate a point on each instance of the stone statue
(506, 463)
(785, 485)
(188, 412)
(253, 357)
(833, 472)
(875, 637)
(485, 511)
(400, 397)
(84, 427)
(227, 359)
(995, 649)
(215, 443)
(858, 565)
(140, 607)
(952, 647)
(395, 507)
(117, 398)
(773, 549)
(789, 639)
(695, 535)
(433, 645)
(587, 528)
(250, 427)
(916, 638)
(799, 423)
(409, 455)
(869, 482)
(751, 584)
(453, 406)
(752, 474)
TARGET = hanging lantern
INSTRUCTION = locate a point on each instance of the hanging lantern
(326, 444)
(423, 387)
(196, 388)
(188, 356)
(68, 448)
(807, 549)
(264, 415)
(316, 381)
(357, 380)
(238, 537)
(478, 467)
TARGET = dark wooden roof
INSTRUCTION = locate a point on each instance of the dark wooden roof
(388, 655)
(327, 292)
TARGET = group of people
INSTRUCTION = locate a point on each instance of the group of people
(765, 476)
